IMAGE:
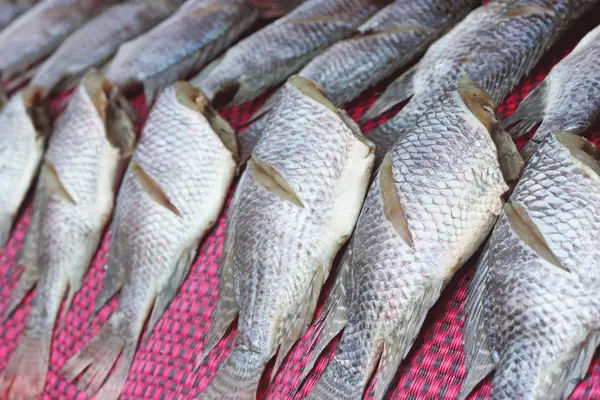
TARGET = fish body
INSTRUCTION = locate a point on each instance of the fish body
(172, 194)
(496, 45)
(199, 31)
(21, 151)
(533, 312)
(569, 97)
(389, 40)
(269, 56)
(295, 206)
(96, 41)
(39, 31)
(11, 9)
(73, 203)
(433, 201)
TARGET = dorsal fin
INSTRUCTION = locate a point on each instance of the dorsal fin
(391, 201)
(273, 181)
(53, 184)
(527, 230)
(153, 189)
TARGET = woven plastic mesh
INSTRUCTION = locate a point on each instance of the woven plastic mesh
(164, 366)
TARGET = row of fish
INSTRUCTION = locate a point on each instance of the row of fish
(298, 201)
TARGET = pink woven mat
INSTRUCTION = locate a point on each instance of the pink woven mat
(164, 366)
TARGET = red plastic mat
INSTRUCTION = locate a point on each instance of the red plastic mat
(164, 366)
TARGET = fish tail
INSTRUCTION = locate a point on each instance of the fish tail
(27, 281)
(238, 378)
(97, 358)
(25, 375)
(335, 385)
(398, 91)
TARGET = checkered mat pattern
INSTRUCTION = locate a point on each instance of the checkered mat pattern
(164, 365)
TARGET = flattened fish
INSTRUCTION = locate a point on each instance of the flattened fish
(269, 56)
(171, 196)
(73, 203)
(533, 307)
(567, 100)
(96, 41)
(11, 9)
(390, 40)
(432, 203)
(295, 206)
(38, 32)
(496, 45)
(199, 31)
(21, 151)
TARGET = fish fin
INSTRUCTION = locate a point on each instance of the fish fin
(478, 358)
(524, 227)
(393, 210)
(25, 375)
(401, 89)
(334, 315)
(249, 138)
(272, 180)
(28, 279)
(168, 292)
(237, 378)
(390, 360)
(97, 357)
(227, 308)
(206, 71)
(296, 324)
(120, 120)
(152, 188)
(530, 112)
(526, 11)
(53, 183)
(274, 8)
(115, 273)
(484, 108)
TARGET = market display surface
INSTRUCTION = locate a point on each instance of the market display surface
(165, 363)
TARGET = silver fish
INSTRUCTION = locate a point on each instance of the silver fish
(96, 41)
(199, 31)
(172, 194)
(496, 46)
(39, 31)
(432, 203)
(533, 306)
(295, 206)
(567, 100)
(391, 39)
(73, 203)
(21, 151)
(388, 41)
(11, 9)
(272, 54)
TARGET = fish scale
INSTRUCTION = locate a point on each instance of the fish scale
(172, 194)
(431, 204)
(496, 45)
(295, 206)
(532, 308)
(284, 46)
